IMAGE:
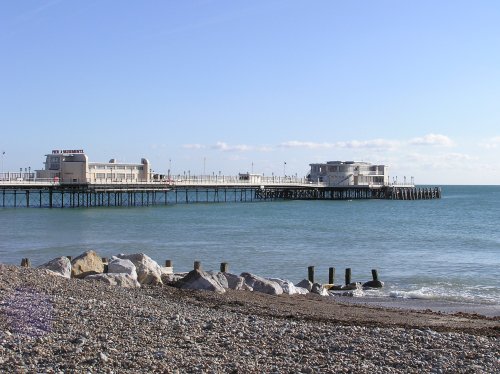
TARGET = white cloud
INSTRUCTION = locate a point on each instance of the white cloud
(352, 144)
(491, 143)
(451, 160)
(432, 140)
(372, 144)
(193, 146)
(221, 146)
(308, 145)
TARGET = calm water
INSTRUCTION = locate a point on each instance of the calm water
(446, 249)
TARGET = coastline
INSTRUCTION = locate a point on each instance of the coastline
(434, 305)
(48, 323)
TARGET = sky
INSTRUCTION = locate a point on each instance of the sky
(261, 86)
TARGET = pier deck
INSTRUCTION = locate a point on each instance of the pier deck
(51, 194)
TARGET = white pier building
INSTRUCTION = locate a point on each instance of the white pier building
(349, 173)
(73, 166)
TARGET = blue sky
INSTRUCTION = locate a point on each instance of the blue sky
(231, 84)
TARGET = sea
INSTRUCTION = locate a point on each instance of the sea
(441, 250)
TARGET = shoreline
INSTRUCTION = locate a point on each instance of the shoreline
(434, 305)
(52, 324)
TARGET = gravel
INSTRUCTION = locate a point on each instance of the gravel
(53, 325)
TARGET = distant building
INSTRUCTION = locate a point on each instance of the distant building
(349, 173)
(73, 166)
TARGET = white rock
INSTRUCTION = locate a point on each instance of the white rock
(122, 265)
(287, 286)
(148, 270)
(301, 290)
(115, 279)
(235, 282)
(263, 285)
(220, 278)
(200, 280)
(319, 289)
(305, 283)
(58, 266)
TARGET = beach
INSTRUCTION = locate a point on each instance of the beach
(51, 324)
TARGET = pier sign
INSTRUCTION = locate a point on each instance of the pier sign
(59, 151)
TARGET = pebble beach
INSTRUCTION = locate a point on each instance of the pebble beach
(50, 324)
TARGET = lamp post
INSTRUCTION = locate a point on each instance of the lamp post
(3, 156)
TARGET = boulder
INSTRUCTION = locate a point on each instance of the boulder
(220, 278)
(351, 286)
(87, 263)
(148, 270)
(305, 283)
(58, 266)
(235, 282)
(301, 290)
(263, 285)
(319, 289)
(200, 280)
(170, 279)
(122, 266)
(373, 284)
(287, 286)
(115, 279)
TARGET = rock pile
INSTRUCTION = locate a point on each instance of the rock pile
(121, 270)
(134, 270)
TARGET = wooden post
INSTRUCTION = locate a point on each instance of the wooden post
(197, 265)
(347, 276)
(224, 267)
(26, 263)
(331, 275)
(168, 263)
(310, 274)
(375, 275)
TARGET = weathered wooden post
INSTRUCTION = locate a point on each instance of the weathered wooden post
(347, 276)
(197, 265)
(310, 274)
(168, 263)
(331, 275)
(375, 275)
(224, 267)
(26, 263)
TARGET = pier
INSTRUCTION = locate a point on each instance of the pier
(31, 192)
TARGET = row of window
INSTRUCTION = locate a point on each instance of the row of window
(115, 167)
(346, 168)
(116, 176)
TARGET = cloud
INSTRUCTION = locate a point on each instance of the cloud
(193, 146)
(308, 145)
(432, 140)
(372, 144)
(222, 146)
(452, 160)
(491, 143)
(352, 144)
